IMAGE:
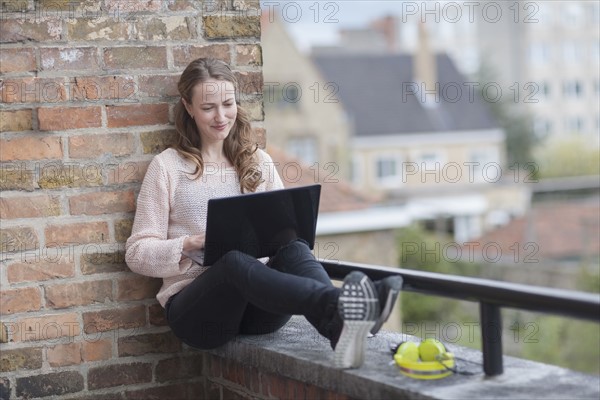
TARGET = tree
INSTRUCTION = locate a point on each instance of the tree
(420, 250)
(564, 157)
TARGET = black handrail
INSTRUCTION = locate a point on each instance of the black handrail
(491, 295)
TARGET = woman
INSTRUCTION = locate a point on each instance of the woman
(207, 306)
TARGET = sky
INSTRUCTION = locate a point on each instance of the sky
(312, 22)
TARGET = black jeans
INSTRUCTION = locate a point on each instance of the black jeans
(241, 295)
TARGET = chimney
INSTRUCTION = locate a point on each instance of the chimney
(425, 67)
(388, 28)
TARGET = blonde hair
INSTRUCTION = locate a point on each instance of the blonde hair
(239, 146)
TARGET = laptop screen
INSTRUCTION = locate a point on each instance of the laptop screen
(259, 223)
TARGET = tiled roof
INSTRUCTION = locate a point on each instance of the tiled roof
(375, 91)
(336, 194)
(550, 231)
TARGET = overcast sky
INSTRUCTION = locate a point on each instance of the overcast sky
(312, 22)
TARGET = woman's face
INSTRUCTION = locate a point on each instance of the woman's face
(213, 108)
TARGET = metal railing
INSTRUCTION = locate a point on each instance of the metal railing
(491, 296)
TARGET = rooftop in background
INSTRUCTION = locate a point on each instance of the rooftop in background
(336, 195)
(559, 231)
(376, 92)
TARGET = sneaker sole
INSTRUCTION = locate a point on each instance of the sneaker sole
(358, 306)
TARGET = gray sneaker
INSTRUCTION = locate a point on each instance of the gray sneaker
(388, 290)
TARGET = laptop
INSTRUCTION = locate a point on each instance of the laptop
(259, 223)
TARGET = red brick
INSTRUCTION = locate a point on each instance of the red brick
(63, 6)
(62, 118)
(43, 269)
(215, 366)
(184, 5)
(173, 27)
(108, 27)
(53, 384)
(58, 174)
(225, 26)
(182, 55)
(127, 172)
(68, 58)
(137, 287)
(64, 354)
(102, 262)
(29, 207)
(20, 359)
(78, 294)
(19, 238)
(177, 391)
(159, 85)
(34, 30)
(155, 142)
(156, 315)
(96, 350)
(119, 374)
(180, 368)
(114, 318)
(17, 60)
(137, 345)
(137, 114)
(15, 176)
(18, 120)
(20, 300)
(127, 58)
(77, 233)
(47, 327)
(124, 8)
(30, 148)
(98, 203)
(94, 88)
(33, 90)
(250, 82)
(94, 146)
(248, 54)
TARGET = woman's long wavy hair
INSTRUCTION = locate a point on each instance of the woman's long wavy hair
(239, 147)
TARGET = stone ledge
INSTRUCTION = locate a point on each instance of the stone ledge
(298, 352)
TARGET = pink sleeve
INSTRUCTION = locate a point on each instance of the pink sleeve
(148, 251)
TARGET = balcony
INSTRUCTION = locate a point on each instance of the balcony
(296, 362)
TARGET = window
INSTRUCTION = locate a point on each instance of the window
(572, 15)
(545, 15)
(574, 124)
(387, 170)
(356, 171)
(573, 89)
(572, 52)
(545, 89)
(304, 148)
(430, 160)
(484, 166)
(542, 127)
(539, 53)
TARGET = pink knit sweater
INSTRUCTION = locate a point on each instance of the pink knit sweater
(171, 206)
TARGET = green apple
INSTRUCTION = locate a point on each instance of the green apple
(409, 351)
(430, 349)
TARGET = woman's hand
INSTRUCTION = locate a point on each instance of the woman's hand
(194, 242)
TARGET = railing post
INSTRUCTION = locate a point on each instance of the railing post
(491, 336)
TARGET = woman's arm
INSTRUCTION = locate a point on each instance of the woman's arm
(148, 251)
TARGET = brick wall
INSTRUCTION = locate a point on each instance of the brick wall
(87, 96)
